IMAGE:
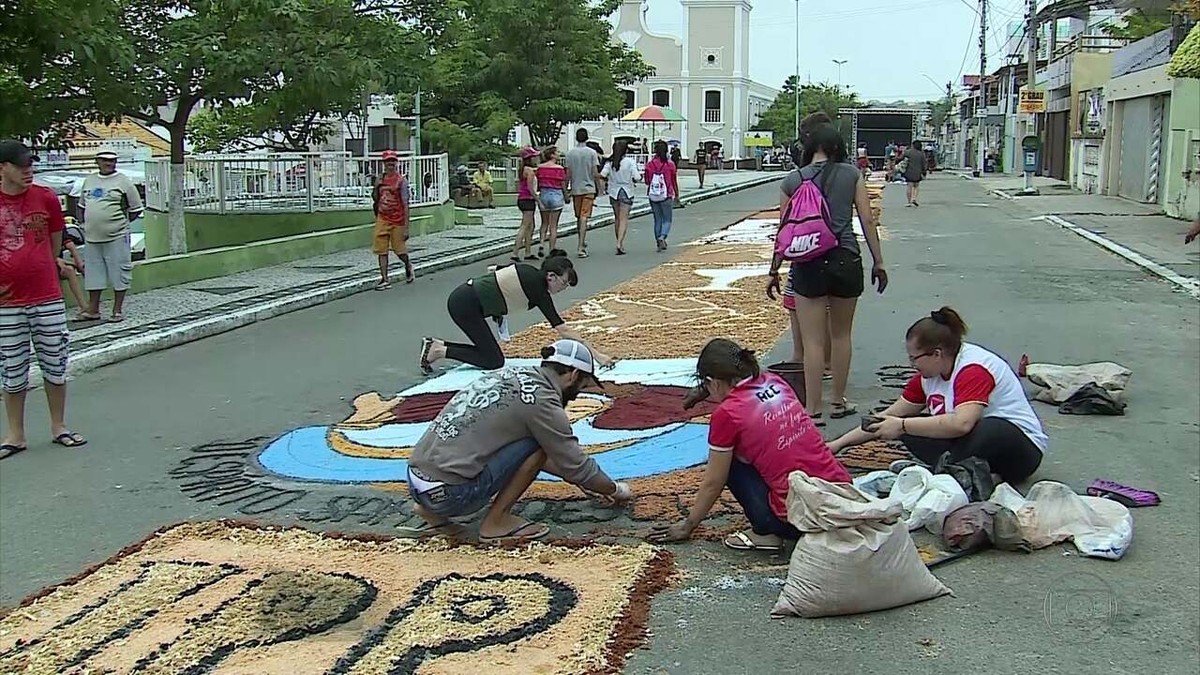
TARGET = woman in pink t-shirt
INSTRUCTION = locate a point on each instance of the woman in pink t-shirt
(551, 176)
(758, 435)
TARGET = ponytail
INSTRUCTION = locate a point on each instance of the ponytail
(944, 328)
(726, 360)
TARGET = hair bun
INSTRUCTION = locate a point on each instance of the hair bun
(939, 316)
(547, 351)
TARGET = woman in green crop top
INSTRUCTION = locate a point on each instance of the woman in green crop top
(494, 296)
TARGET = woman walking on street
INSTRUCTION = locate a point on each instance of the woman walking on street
(620, 174)
(526, 203)
(662, 187)
(551, 177)
(827, 288)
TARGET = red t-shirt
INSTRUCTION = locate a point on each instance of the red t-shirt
(764, 424)
(28, 272)
(392, 207)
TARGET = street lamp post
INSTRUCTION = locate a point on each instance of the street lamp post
(796, 83)
(840, 63)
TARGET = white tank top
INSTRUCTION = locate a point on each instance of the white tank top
(1007, 400)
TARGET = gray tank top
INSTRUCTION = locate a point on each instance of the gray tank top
(838, 183)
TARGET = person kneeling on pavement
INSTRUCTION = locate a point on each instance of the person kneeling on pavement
(975, 403)
(758, 434)
(495, 436)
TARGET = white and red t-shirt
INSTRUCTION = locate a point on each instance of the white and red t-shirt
(979, 376)
(763, 424)
(28, 271)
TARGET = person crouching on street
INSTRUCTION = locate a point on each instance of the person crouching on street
(391, 198)
(757, 435)
(495, 436)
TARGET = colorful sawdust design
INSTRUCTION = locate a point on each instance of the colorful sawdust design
(636, 428)
(228, 597)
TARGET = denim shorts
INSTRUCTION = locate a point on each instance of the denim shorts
(467, 498)
(622, 197)
(553, 200)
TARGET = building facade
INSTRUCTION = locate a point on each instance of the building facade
(704, 75)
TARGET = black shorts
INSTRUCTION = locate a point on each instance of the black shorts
(839, 274)
(527, 205)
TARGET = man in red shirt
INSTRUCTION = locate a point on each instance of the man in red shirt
(31, 302)
(391, 199)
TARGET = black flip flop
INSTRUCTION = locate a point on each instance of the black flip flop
(69, 439)
(8, 450)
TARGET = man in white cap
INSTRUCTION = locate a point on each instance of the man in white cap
(495, 436)
(108, 201)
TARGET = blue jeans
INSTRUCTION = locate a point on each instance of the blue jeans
(466, 498)
(553, 199)
(750, 491)
(662, 218)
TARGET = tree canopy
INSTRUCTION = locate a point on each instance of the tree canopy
(543, 63)
(780, 118)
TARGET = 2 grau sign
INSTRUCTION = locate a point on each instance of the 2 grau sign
(1031, 101)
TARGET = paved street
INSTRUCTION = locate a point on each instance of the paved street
(1023, 286)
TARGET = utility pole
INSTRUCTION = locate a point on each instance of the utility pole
(981, 112)
(797, 83)
(417, 114)
(1030, 125)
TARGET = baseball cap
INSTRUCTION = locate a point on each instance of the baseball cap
(16, 152)
(106, 153)
(529, 151)
(574, 354)
(390, 155)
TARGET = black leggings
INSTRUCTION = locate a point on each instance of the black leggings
(483, 351)
(1007, 450)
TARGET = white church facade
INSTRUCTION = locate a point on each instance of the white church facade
(703, 75)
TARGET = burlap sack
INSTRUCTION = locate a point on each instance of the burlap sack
(855, 554)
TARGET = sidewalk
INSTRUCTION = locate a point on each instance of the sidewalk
(1140, 233)
(167, 317)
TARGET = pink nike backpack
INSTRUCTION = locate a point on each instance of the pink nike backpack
(805, 233)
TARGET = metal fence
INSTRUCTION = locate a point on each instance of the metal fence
(303, 183)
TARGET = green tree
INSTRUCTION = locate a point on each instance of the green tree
(266, 68)
(1140, 23)
(544, 63)
(780, 118)
(62, 62)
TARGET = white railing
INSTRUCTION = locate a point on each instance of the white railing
(300, 182)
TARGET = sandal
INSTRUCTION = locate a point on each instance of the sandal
(116, 318)
(426, 345)
(1123, 494)
(70, 439)
(86, 316)
(817, 421)
(539, 530)
(383, 286)
(8, 450)
(842, 409)
(740, 541)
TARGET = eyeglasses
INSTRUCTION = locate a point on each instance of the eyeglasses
(913, 359)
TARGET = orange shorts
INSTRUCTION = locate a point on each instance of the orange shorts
(389, 236)
(583, 205)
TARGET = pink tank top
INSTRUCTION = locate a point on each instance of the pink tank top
(551, 176)
(523, 191)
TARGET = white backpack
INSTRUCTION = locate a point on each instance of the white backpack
(658, 187)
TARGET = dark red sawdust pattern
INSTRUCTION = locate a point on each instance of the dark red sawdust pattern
(654, 406)
(628, 634)
(422, 407)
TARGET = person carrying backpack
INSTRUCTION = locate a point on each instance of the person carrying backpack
(817, 237)
(662, 187)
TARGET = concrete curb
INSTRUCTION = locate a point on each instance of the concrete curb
(1002, 195)
(1187, 284)
(128, 348)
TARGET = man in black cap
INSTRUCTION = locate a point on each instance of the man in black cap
(31, 302)
(495, 436)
